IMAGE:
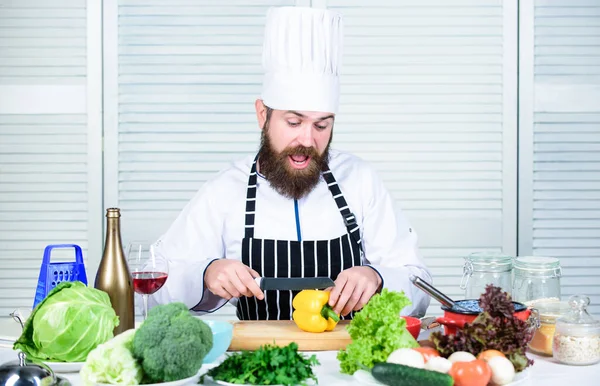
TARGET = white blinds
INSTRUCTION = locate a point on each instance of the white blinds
(428, 95)
(43, 139)
(563, 210)
(187, 76)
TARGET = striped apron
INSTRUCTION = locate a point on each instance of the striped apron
(289, 258)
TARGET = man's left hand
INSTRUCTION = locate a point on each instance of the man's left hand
(354, 287)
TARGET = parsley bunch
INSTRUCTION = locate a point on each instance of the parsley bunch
(269, 365)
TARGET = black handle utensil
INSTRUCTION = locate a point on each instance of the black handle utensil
(435, 293)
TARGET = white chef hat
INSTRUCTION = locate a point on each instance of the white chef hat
(302, 54)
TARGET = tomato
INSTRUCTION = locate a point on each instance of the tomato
(487, 354)
(474, 373)
(427, 352)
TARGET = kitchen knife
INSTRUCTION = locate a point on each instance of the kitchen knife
(293, 283)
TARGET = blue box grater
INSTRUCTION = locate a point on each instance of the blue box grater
(53, 273)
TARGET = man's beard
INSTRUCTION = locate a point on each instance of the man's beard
(290, 182)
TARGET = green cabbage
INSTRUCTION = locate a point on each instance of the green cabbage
(113, 363)
(69, 323)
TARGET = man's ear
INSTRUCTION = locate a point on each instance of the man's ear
(261, 113)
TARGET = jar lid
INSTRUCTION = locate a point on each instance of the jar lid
(537, 263)
(491, 259)
(550, 310)
(578, 320)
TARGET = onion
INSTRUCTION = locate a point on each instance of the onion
(461, 356)
(407, 357)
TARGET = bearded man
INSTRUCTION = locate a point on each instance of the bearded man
(297, 209)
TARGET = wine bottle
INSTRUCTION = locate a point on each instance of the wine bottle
(113, 276)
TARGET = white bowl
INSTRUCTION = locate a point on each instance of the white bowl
(186, 381)
(65, 367)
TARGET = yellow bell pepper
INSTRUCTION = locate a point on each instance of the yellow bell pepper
(312, 313)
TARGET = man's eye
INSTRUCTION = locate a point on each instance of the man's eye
(293, 124)
(321, 127)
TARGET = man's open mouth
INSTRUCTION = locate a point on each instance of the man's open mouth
(299, 161)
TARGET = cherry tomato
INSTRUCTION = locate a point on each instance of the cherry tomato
(427, 352)
(487, 354)
(474, 373)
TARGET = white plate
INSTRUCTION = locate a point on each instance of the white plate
(365, 378)
(521, 378)
(232, 384)
(311, 382)
(186, 381)
(65, 367)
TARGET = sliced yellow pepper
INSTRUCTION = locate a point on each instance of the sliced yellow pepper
(312, 313)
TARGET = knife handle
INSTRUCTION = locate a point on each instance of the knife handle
(258, 281)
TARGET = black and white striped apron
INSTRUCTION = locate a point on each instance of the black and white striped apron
(289, 258)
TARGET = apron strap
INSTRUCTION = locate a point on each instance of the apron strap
(347, 215)
(251, 201)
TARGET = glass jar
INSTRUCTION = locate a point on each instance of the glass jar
(577, 337)
(536, 278)
(483, 268)
(549, 311)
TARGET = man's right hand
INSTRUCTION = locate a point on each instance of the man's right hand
(231, 279)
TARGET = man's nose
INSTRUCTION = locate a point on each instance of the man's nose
(305, 137)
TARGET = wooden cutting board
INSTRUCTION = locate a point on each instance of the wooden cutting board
(250, 335)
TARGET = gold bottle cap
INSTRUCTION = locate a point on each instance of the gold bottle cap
(113, 212)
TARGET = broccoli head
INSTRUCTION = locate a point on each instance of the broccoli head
(171, 343)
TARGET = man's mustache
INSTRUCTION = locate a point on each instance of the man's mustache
(301, 150)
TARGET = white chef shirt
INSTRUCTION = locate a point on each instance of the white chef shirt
(211, 226)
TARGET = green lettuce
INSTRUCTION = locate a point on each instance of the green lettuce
(69, 323)
(113, 363)
(376, 331)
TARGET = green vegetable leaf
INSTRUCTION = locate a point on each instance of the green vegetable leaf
(376, 331)
(269, 365)
(495, 328)
(113, 363)
(69, 323)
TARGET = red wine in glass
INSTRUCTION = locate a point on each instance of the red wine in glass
(149, 270)
(147, 283)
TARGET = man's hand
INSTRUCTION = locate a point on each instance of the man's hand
(231, 279)
(354, 287)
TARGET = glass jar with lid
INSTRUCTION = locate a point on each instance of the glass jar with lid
(577, 337)
(549, 311)
(484, 268)
(536, 278)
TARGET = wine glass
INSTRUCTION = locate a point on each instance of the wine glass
(149, 270)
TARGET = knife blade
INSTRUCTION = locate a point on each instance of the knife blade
(293, 283)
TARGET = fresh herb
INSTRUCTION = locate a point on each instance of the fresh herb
(376, 331)
(269, 365)
(495, 328)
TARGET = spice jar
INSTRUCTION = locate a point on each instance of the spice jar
(536, 278)
(577, 337)
(548, 311)
(483, 268)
